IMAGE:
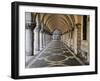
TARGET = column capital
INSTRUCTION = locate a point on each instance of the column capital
(78, 25)
(41, 30)
(30, 25)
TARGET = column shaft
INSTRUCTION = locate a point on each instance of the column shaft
(36, 41)
(28, 41)
(41, 40)
(75, 40)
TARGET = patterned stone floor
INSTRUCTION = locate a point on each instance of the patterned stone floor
(55, 54)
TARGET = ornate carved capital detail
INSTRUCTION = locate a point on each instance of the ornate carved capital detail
(78, 25)
(30, 25)
(42, 30)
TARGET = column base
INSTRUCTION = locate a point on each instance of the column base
(41, 48)
(75, 51)
(36, 52)
(28, 53)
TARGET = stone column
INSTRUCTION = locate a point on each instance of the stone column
(49, 38)
(29, 26)
(46, 35)
(37, 36)
(68, 39)
(88, 25)
(28, 41)
(44, 39)
(77, 38)
(41, 38)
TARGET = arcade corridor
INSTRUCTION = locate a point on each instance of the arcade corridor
(53, 40)
(55, 54)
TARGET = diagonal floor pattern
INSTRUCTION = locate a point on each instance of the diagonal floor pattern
(55, 54)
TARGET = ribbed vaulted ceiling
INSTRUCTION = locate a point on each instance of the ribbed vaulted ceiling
(61, 22)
